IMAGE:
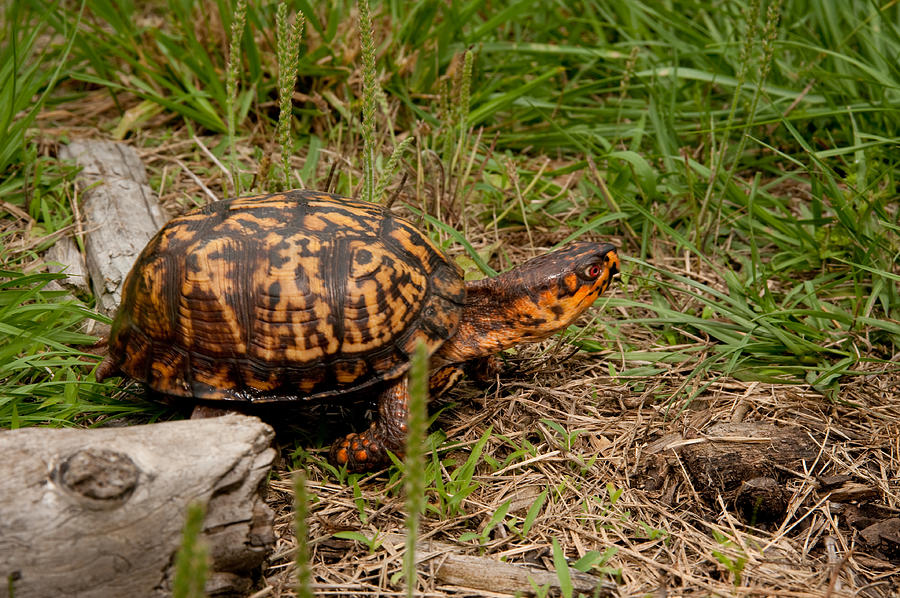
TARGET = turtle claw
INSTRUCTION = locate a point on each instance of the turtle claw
(359, 452)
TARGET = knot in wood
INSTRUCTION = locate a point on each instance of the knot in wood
(100, 475)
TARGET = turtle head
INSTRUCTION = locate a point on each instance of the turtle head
(532, 301)
(551, 291)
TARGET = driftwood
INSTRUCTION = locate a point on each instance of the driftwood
(121, 213)
(483, 573)
(99, 512)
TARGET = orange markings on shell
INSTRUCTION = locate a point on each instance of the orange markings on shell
(371, 316)
(278, 297)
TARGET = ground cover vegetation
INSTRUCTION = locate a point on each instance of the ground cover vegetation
(743, 156)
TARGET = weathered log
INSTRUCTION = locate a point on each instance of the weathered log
(121, 213)
(64, 257)
(726, 455)
(884, 537)
(99, 512)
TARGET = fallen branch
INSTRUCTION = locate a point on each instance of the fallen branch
(99, 512)
(121, 213)
(487, 574)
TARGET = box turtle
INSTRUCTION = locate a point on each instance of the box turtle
(305, 295)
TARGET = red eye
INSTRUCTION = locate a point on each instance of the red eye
(593, 271)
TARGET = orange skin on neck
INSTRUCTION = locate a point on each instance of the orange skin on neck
(529, 303)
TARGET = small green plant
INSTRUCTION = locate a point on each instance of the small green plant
(521, 452)
(191, 566)
(612, 517)
(452, 493)
(613, 494)
(533, 511)
(650, 532)
(485, 534)
(414, 460)
(596, 561)
(288, 55)
(561, 564)
(734, 564)
(358, 498)
(569, 438)
(539, 591)
(373, 543)
(301, 533)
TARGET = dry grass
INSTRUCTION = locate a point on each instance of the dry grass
(664, 532)
(794, 556)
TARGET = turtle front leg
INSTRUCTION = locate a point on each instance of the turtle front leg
(444, 378)
(483, 370)
(368, 450)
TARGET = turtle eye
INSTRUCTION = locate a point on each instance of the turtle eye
(593, 271)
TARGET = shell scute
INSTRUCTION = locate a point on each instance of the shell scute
(293, 295)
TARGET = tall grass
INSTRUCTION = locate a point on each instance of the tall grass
(191, 560)
(44, 358)
(30, 71)
(414, 461)
(288, 55)
(369, 100)
(27, 76)
(232, 76)
(757, 144)
(301, 532)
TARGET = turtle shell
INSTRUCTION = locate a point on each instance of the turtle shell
(282, 297)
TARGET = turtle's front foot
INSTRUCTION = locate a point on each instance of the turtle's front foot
(484, 370)
(360, 452)
(369, 450)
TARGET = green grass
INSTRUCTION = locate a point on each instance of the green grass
(769, 164)
(192, 558)
(44, 359)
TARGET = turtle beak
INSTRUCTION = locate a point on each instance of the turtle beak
(613, 266)
(612, 257)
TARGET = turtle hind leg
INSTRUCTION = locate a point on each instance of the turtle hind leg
(368, 450)
(484, 370)
(106, 369)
